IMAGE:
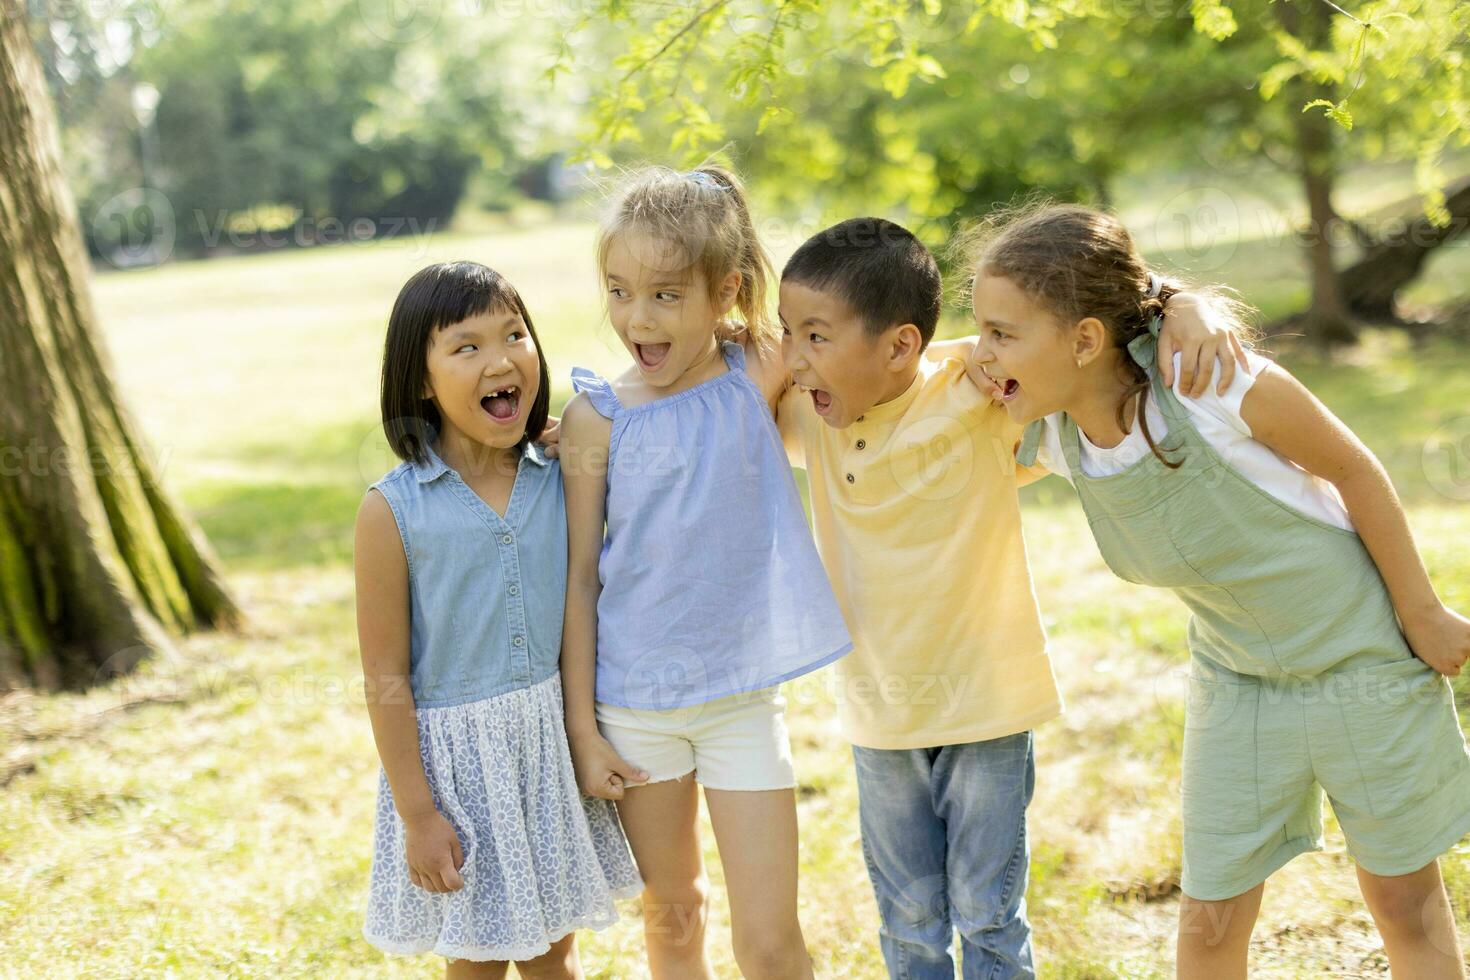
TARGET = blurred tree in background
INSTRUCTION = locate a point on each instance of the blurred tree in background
(273, 114)
(247, 118)
(943, 109)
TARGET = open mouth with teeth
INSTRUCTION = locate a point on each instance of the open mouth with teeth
(821, 400)
(503, 404)
(1006, 387)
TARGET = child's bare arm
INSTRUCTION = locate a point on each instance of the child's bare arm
(585, 439)
(788, 424)
(1285, 416)
(962, 348)
(381, 571)
(1192, 326)
(767, 370)
(380, 567)
(584, 452)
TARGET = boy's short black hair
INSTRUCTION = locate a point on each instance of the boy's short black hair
(878, 268)
(434, 298)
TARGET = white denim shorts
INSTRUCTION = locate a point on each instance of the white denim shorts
(738, 742)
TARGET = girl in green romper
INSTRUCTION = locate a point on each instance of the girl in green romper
(1319, 649)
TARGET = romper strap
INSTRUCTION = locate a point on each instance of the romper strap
(1071, 438)
(1144, 349)
(598, 390)
(1035, 432)
(1031, 438)
(1174, 413)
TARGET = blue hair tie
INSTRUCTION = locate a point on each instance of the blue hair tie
(705, 180)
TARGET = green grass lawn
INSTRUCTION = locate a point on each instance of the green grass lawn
(212, 814)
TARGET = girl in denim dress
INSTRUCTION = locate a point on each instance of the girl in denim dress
(484, 851)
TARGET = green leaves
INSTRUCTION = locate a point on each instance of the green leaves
(803, 82)
(1336, 111)
(1212, 19)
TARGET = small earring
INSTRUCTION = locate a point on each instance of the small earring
(1079, 363)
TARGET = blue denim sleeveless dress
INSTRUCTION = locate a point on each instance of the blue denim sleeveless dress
(486, 595)
(711, 584)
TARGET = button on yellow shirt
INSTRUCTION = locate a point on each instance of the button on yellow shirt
(919, 527)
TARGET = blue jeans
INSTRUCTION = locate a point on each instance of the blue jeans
(944, 837)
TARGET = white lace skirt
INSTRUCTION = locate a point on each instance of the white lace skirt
(540, 859)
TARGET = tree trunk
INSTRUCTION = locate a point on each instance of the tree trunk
(1395, 258)
(97, 565)
(1327, 321)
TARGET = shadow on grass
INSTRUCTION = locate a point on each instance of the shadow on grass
(274, 526)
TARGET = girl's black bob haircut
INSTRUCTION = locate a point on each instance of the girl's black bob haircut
(437, 297)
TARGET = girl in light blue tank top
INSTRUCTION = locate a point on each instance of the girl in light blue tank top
(706, 531)
(694, 586)
(483, 847)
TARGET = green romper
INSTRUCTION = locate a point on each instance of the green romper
(1299, 675)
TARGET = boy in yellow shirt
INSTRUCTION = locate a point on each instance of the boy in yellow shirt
(913, 494)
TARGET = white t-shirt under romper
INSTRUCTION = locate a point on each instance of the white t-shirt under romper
(1218, 420)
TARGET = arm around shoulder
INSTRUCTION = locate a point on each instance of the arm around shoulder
(766, 369)
(962, 348)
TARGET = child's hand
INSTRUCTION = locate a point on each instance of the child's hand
(1441, 639)
(1194, 329)
(982, 380)
(551, 437)
(731, 330)
(434, 855)
(967, 349)
(601, 772)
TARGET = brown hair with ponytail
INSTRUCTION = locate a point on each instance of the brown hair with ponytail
(1078, 262)
(701, 217)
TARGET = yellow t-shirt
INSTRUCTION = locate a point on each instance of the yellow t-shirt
(919, 527)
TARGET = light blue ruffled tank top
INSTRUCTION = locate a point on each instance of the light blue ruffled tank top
(711, 583)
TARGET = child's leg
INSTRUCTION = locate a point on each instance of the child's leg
(756, 833)
(558, 963)
(476, 969)
(1214, 937)
(1418, 927)
(981, 791)
(660, 821)
(904, 847)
